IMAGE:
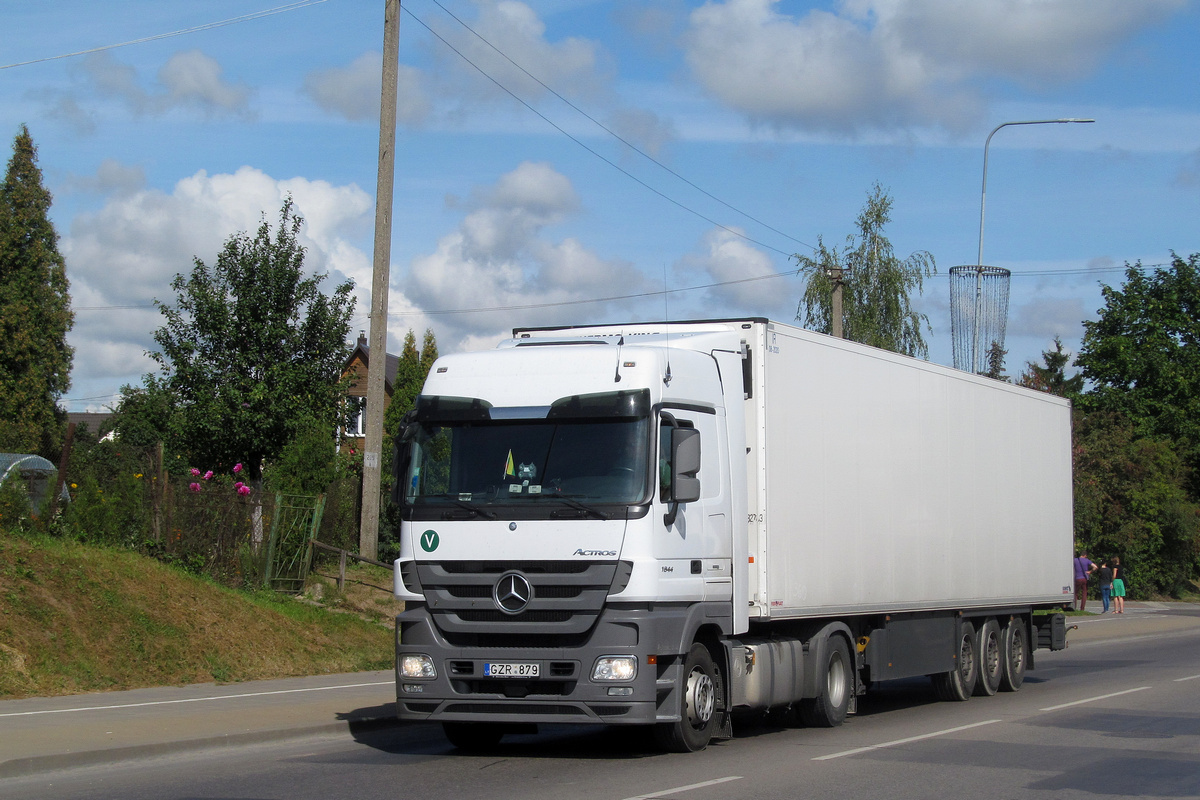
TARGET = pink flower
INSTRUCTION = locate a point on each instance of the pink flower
(243, 489)
(238, 485)
(208, 475)
(237, 468)
(195, 472)
(195, 487)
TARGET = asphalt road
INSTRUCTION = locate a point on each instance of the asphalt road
(1115, 715)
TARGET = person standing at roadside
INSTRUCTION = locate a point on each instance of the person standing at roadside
(1118, 587)
(1106, 579)
(1084, 567)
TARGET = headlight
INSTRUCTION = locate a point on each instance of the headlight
(615, 668)
(417, 666)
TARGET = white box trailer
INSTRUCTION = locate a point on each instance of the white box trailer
(879, 482)
(664, 523)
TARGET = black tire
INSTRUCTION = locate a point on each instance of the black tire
(958, 683)
(1014, 647)
(835, 678)
(473, 737)
(991, 659)
(698, 690)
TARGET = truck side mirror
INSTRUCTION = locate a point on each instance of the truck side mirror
(685, 463)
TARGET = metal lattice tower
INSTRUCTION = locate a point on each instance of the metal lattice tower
(978, 313)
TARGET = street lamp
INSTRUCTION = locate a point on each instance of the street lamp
(982, 207)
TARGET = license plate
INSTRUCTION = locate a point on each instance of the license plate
(509, 669)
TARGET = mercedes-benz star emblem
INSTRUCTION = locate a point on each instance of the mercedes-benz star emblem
(512, 593)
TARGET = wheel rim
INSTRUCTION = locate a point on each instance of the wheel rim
(701, 698)
(966, 658)
(835, 681)
(1018, 654)
(991, 655)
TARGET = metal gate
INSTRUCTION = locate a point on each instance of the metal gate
(294, 526)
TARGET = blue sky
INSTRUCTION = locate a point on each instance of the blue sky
(766, 125)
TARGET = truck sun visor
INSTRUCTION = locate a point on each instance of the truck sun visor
(627, 403)
(435, 408)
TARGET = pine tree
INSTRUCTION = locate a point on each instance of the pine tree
(429, 353)
(35, 311)
(1052, 376)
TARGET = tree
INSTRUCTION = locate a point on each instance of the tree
(410, 378)
(995, 370)
(1051, 375)
(252, 351)
(1142, 355)
(35, 311)
(1131, 501)
(876, 285)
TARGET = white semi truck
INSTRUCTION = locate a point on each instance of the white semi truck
(664, 524)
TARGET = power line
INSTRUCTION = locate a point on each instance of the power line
(613, 133)
(634, 296)
(205, 27)
(576, 140)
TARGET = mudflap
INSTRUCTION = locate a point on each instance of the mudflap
(724, 729)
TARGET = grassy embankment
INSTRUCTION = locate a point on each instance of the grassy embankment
(75, 618)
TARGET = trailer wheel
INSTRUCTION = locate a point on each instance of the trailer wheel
(699, 706)
(473, 737)
(958, 683)
(828, 709)
(1012, 673)
(991, 659)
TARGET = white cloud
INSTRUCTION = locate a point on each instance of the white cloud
(501, 257)
(112, 177)
(189, 79)
(874, 64)
(194, 79)
(570, 65)
(353, 91)
(1048, 317)
(750, 283)
(126, 254)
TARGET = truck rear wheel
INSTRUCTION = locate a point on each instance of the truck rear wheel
(698, 706)
(829, 708)
(473, 737)
(1014, 660)
(991, 659)
(958, 683)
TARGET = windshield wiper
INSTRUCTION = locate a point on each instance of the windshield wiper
(573, 503)
(469, 506)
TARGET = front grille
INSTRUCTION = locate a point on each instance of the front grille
(566, 598)
(528, 616)
(517, 689)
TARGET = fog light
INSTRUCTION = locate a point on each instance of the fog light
(620, 691)
(615, 668)
(414, 688)
(417, 666)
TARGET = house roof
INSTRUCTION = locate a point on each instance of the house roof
(363, 351)
(93, 419)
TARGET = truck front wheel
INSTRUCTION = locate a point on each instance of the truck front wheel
(698, 706)
(836, 680)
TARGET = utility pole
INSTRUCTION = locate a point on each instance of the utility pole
(368, 535)
(836, 275)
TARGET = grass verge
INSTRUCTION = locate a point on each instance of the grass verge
(77, 618)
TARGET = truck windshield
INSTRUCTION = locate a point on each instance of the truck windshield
(528, 461)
